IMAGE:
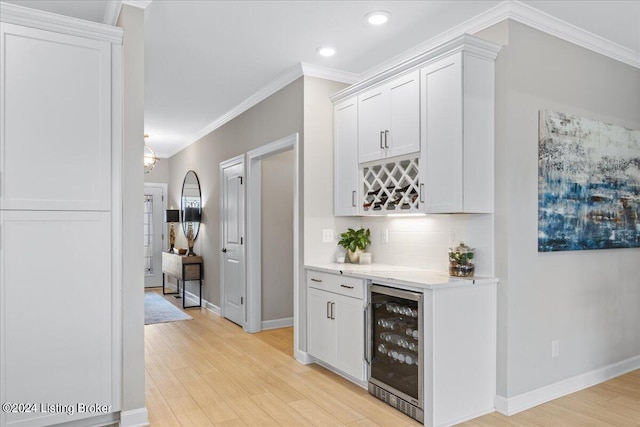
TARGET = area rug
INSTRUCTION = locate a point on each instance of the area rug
(159, 310)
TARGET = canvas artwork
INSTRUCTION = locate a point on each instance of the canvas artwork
(588, 184)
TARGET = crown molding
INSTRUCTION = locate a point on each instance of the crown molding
(326, 73)
(299, 70)
(549, 24)
(140, 4)
(14, 14)
(112, 12)
(289, 77)
(464, 43)
(524, 14)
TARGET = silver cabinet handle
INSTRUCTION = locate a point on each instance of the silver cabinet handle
(421, 193)
(346, 286)
(367, 344)
(316, 280)
(328, 309)
(353, 198)
(333, 313)
(386, 138)
(381, 134)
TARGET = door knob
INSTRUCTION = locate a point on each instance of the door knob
(224, 250)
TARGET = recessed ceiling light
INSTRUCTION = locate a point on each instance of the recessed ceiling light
(326, 50)
(377, 17)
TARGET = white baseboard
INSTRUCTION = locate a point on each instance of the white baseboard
(513, 405)
(303, 357)
(213, 308)
(277, 323)
(134, 418)
(193, 299)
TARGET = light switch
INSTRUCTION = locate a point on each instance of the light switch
(327, 236)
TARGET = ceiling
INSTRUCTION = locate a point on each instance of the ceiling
(204, 58)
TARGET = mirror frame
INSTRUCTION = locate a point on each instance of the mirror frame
(196, 225)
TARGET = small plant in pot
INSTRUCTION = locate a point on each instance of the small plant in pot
(355, 241)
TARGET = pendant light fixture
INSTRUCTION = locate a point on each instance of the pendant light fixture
(150, 158)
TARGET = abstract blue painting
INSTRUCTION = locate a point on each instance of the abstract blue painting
(588, 184)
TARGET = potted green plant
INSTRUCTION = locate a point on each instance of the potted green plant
(355, 241)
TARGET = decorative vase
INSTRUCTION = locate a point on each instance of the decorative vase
(461, 261)
(354, 257)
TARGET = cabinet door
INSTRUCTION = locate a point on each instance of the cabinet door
(321, 329)
(373, 119)
(346, 158)
(442, 127)
(349, 318)
(56, 312)
(403, 135)
(56, 121)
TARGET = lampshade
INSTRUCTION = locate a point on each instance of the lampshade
(191, 215)
(172, 215)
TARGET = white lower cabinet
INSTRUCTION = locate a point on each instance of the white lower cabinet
(335, 322)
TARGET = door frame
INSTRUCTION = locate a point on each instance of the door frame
(223, 165)
(254, 231)
(165, 202)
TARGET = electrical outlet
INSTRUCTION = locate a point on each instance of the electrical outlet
(555, 349)
(327, 236)
(385, 235)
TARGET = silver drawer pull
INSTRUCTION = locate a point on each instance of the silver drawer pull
(346, 286)
(316, 280)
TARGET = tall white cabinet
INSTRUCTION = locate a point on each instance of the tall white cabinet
(60, 265)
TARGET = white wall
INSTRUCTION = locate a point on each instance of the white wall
(277, 236)
(588, 300)
(132, 20)
(318, 168)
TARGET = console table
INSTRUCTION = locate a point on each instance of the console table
(183, 268)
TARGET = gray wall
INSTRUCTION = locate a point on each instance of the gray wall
(277, 236)
(132, 20)
(588, 300)
(277, 116)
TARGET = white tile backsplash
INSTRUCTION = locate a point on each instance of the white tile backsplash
(420, 242)
(423, 242)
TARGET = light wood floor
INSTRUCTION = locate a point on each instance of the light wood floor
(208, 372)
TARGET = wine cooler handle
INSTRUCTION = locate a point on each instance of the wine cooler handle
(367, 334)
(353, 198)
(381, 135)
(421, 193)
(386, 139)
(328, 309)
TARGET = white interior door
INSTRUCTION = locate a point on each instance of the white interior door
(153, 236)
(232, 223)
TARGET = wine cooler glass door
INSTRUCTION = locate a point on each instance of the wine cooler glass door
(396, 322)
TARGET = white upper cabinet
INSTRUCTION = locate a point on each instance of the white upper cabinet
(457, 121)
(56, 121)
(424, 134)
(389, 119)
(346, 157)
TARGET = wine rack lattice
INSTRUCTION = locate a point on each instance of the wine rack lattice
(391, 187)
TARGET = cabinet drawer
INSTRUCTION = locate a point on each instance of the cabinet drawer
(349, 286)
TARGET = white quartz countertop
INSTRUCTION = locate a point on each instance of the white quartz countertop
(398, 275)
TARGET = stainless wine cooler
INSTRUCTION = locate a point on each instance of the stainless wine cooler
(394, 349)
